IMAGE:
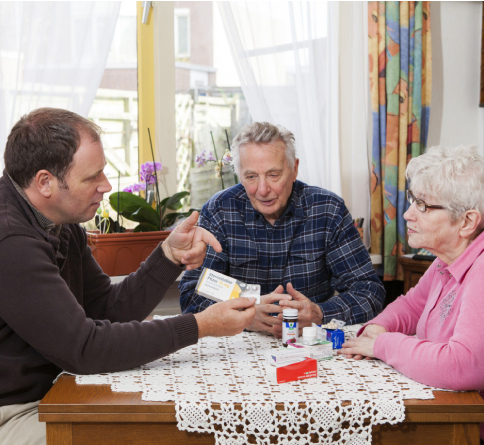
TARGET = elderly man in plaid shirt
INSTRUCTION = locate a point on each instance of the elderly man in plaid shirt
(298, 242)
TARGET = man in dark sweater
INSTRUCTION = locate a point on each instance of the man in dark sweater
(58, 310)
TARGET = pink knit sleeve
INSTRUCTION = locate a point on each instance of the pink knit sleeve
(457, 364)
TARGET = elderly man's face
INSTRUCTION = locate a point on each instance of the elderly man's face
(267, 177)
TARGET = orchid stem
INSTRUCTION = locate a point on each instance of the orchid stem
(228, 146)
(221, 166)
(156, 183)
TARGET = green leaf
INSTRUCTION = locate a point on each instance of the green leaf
(146, 214)
(126, 200)
(145, 227)
(176, 206)
(171, 218)
(176, 198)
(134, 208)
(172, 203)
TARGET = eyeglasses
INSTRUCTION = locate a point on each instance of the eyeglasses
(421, 204)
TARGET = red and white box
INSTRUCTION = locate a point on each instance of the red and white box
(304, 369)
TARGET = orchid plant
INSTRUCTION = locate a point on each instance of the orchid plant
(205, 157)
(148, 176)
(135, 208)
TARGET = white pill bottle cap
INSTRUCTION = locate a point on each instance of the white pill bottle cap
(309, 332)
(290, 313)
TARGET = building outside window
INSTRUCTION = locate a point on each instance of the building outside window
(209, 99)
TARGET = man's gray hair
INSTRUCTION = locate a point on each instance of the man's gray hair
(452, 177)
(263, 133)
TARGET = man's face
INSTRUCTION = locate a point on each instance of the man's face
(86, 185)
(267, 177)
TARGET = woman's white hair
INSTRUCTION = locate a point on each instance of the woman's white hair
(263, 133)
(452, 177)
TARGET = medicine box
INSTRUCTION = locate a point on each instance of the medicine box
(285, 356)
(335, 336)
(305, 369)
(220, 287)
(319, 350)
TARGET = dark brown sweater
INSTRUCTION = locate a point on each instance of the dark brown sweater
(59, 311)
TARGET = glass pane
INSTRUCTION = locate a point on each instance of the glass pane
(182, 37)
(115, 107)
(209, 100)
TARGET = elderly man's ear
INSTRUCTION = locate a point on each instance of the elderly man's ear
(470, 223)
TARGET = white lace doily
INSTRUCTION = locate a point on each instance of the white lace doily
(231, 372)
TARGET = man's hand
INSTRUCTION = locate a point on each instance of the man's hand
(362, 346)
(265, 322)
(225, 318)
(187, 244)
(309, 312)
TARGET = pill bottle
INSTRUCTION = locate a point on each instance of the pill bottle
(290, 325)
(310, 336)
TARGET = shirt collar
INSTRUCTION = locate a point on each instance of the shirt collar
(44, 222)
(293, 208)
(459, 268)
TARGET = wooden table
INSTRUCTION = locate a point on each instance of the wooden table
(412, 271)
(93, 414)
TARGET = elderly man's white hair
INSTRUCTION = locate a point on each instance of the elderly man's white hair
(263, 133)
(451, 176)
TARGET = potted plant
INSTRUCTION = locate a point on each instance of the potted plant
(120, 252)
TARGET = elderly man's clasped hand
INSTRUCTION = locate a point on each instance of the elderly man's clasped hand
(268, 316)
(308, 312)
(264, 320)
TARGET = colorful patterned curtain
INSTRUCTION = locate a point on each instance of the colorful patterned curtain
(400, 65)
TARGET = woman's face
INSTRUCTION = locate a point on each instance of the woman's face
(432, 230)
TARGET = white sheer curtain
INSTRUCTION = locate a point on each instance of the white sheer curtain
(52, 54)
(286, 54)
(355, 126)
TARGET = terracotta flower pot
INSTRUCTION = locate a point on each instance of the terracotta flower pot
(122, 253)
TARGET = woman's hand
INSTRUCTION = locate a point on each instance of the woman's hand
(362, 346)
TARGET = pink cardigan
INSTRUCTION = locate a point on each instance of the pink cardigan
(446, 312)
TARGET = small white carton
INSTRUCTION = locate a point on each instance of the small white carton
(220, 287)
(319, 349)
(285, 356)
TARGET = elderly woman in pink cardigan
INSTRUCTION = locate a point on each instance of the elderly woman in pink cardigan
(445, 310)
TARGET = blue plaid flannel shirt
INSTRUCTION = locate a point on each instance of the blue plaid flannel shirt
(313, 245)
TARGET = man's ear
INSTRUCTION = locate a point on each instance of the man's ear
(470, 223)
(296, 168)
(43, 182)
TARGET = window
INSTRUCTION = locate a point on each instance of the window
(182, 33)
(115, 107)
(209, 99)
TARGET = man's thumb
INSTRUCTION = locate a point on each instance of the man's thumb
(243, 302)
(189, 223)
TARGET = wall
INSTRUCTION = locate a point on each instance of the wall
(456, 46)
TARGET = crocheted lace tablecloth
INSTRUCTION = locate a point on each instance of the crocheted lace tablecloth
(231, 372)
